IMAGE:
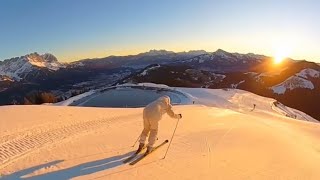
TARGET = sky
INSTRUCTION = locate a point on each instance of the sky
(78, 29)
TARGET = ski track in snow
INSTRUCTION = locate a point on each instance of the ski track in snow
(13, 149)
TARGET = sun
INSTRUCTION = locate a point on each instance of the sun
(281, 53)
(278, 59)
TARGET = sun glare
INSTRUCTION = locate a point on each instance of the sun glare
(280, 54)
(278, 59)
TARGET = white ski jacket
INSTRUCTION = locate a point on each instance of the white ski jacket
(154, 111)
(152, 114)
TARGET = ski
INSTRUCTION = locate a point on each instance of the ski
(146, 154)
(132, 156)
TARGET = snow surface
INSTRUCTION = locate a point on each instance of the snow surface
(292, 83)
(145, 72)
(50, 65)
(145, 84)
(251, 73)
(14, 68)
(305, 73)
(236, 85)
(241, 101)
(299, 80)
(219, 137)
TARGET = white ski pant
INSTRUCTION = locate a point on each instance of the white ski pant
(150, 126)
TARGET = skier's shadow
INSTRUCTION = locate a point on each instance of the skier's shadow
(72, 172)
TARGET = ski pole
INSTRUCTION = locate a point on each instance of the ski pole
(171, 138)
(136, 141)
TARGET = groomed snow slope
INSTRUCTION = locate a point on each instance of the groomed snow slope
(211, 142)
(243, 101)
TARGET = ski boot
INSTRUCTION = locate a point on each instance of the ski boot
(149, 149)
(141, 146)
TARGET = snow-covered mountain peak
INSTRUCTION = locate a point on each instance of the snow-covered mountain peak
(155, 52)
(256, 56)
(198, 52)
(222, 53)
(237, 56)
(49, 57)
(46, 60)
(35, 59)
(17, 68)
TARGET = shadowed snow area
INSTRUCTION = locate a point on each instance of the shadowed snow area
(224, 134)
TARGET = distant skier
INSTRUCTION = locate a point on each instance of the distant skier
(254, 106)
(152, 114)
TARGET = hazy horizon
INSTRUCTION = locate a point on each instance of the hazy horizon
(74, 30)
(137, 53)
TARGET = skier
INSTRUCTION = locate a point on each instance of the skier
(152, 114)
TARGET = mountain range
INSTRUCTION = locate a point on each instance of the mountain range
(295, 83)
